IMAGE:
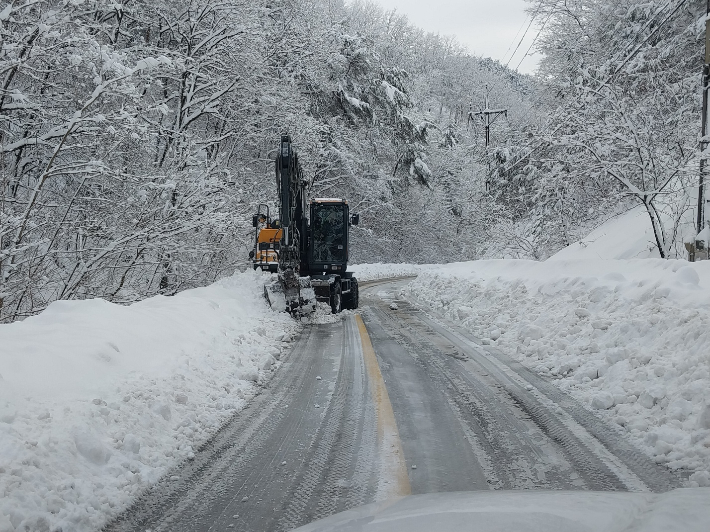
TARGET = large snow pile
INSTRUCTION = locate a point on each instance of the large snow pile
(631, 338)
(372, 272)
(630, 236)
(97, 400)
(627, 236)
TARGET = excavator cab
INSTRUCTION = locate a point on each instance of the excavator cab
(328, 253)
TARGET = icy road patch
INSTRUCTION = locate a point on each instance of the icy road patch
(97, 400)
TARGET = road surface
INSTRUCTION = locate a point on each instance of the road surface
(388, 401)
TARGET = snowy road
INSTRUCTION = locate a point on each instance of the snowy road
(520, 430)
(433, 411)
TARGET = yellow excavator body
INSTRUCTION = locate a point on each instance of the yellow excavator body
(266, 254)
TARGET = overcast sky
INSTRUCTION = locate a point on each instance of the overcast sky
(486, 27)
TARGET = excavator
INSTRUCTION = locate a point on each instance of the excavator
(307, 248)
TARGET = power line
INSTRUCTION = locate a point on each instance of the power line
(616, 71)
(533, 42)
(516, 36)
(523, 37)
(638, 47)
(649, 22)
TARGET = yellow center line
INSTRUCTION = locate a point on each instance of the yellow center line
(387, 433)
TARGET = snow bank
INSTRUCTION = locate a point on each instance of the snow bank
(98, 400)
(372, 272)
(630, 338)
(627, 236)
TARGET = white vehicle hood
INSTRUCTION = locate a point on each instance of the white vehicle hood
(682, 510)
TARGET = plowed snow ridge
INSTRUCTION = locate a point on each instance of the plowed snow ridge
(628, 337)
(99, 400)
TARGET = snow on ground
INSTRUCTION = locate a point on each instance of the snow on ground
(372, 272)
(627, 236)
(324, 314)
(97, 400)
(628, 337)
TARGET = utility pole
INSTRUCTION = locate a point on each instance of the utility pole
(704, 143)
(489, 115)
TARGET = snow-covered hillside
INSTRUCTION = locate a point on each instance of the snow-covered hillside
(628, 236)
(97, 399)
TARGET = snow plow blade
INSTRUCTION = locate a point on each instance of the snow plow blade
(293, 295)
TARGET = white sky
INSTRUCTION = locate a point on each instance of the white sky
(486, 27)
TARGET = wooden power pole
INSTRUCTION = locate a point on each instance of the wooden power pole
(489, 115)
(704, 143)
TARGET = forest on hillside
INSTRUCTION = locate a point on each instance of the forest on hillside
(137, 138)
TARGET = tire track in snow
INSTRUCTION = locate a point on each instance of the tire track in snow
(503, 406)
(251, 474)
(500, 440)
(632, 466)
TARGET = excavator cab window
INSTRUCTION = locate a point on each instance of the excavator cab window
(329, 234)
